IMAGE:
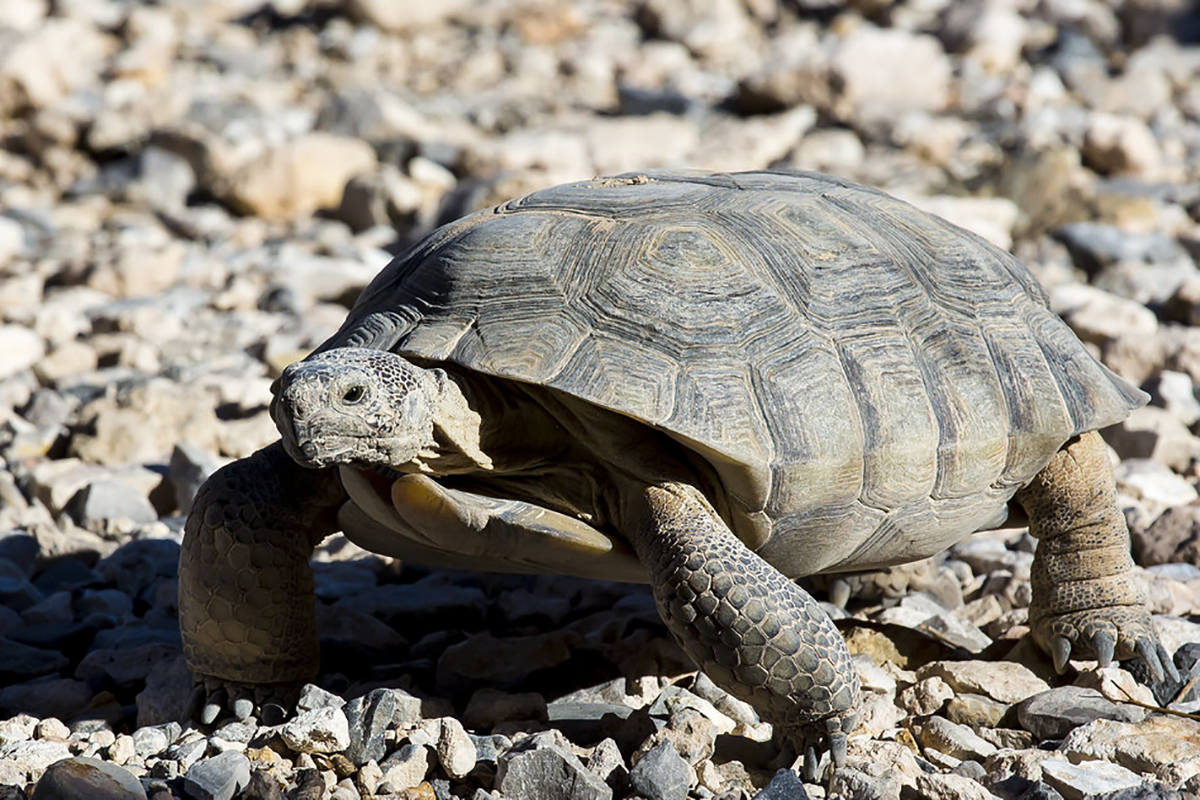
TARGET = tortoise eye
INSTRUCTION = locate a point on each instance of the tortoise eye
(353, 395)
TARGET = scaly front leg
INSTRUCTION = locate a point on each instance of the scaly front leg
(753, 631)
(245, 586)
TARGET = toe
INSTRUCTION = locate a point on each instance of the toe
(1148, 652)
(1104, 645)
(1060, 651)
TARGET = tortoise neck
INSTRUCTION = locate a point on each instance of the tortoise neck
(457, 429)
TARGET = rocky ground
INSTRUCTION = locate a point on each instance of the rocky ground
(191, 194)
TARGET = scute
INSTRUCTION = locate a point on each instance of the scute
(866, 379)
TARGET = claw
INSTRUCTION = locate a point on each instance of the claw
(837, 749)
(839, 592)
(213, 707)
(1104, 645)
(1060, 650)
(243, 705)
(809, 772)
(1149, 654)
(1168, 663)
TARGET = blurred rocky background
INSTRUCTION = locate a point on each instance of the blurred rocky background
(192, 192)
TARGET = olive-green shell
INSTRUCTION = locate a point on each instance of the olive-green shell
(867, 379)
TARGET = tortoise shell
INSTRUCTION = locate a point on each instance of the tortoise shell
(870, 382)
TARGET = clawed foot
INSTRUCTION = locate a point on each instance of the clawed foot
(1104, 636)
(212, 698)
(812, 740)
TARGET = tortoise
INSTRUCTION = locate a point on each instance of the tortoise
(716, 383)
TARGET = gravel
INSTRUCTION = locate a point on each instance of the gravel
(191, 198)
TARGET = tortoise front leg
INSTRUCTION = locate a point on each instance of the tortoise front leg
(246, 600)
(757, 634)
(1085, 600)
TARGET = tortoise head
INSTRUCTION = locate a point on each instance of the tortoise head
(353, 405)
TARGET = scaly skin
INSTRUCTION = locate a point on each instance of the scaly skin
(753, 631)
(246, 607)
(1085, 601)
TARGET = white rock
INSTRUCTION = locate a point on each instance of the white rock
(1154, 484)
(1176, 392)
(60, 57)
(993, 218)
(1098, 316)
(405, 768)
(321, 730)
(20, 349)
(1006, 681)
(403, 16)
(12, 241)
(299, 177)
(1077, 781)
(997, 38)
(23, 16)
(836, 150)
(1115, 144)
(33, 757)
(868, 61)
(953, 739)
(951, 787)
(455, 750)
(1155, 433)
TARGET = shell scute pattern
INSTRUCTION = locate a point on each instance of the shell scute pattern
(869, 382)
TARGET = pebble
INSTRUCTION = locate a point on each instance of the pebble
(662, 774)
(542, 767)
(1004, 681)
(954, 740)
(218, 778)
(406, 767)
(87, 779)
(1054, 713)
(317, 730)
(1077, 781)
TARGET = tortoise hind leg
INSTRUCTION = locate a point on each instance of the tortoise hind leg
(245, 584)
(1085, 600)
(753, 631)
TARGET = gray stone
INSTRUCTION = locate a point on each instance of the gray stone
(784, 785)
(189, 467)
(124, 666)
(62, 698)
(217, 778)
(1173, 537)
(489, 706)
(368, 717)
(1053, 714)
(87, 779)
(150, 741)
(539, 767)
(662, 774)
(168, 687)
